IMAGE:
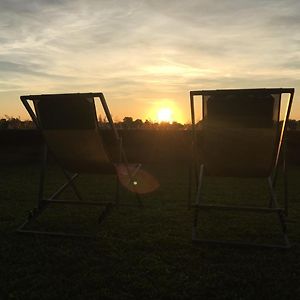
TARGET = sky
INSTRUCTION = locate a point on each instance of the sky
(146, 55)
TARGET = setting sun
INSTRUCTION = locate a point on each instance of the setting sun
(165, 115)
(165, 110)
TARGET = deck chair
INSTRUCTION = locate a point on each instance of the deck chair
(241, 136)
(69, 126)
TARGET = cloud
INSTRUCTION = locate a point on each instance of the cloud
(154, 47)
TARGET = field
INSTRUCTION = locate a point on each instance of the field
(144, 253)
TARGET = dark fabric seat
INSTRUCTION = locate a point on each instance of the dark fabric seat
(69, 125)
(240, 135)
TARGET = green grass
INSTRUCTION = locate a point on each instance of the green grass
(144, 253)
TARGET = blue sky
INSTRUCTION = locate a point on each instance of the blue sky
(144, 55)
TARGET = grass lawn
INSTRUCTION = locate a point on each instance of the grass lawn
(144, 253)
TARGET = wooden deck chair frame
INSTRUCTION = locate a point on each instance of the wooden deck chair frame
(196, 180)
(43, 203)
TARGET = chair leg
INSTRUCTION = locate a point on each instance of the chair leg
(105, 213)
(198, 200)
(190, 185)
(273, 197)
(273, 204)
(32, 216)
(44, 203)
(42, 176)
(72, 185)
(117, 198)
(282, 221)
(63, 187)
(285, 181)
(199, 184)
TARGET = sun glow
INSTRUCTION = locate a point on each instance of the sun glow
(165, 110)
(165, 115)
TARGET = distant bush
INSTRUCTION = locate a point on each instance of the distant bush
(127, 123)
(15, 123)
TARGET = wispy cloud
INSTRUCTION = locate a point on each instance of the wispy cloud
(141, 51)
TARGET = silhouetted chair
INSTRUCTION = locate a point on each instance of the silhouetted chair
(68, 123)
(240, 135)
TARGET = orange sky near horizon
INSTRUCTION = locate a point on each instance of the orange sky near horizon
(146, 55)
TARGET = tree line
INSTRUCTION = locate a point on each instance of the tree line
(127, 123)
